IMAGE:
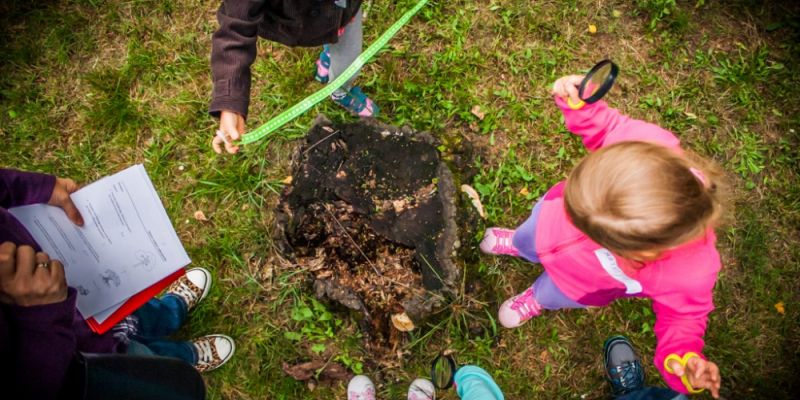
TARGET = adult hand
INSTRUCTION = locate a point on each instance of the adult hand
(232, 126)
(28, 278)
(567, 86)
(60, 198)
(702, 374)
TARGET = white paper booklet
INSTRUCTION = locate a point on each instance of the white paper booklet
(126, 245)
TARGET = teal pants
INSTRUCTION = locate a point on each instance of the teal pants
(474, 383)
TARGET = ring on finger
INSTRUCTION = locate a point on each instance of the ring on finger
(43, 264)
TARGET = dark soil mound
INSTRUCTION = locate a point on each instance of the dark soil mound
(371, 214)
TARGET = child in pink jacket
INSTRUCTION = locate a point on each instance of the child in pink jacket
(634, 219)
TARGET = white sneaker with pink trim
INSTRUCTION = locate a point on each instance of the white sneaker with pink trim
(360, 388)
(497, 241)
(421, 389)
(519, 309)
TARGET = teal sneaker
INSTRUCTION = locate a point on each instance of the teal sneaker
(323, 72)
(356, 102)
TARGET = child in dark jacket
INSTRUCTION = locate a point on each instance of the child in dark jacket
(333, 24)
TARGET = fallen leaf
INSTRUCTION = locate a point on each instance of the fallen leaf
(476, 200)
(200, 216)
(287, 180)
(779, 307)
(402, 322)
(592, 29)
(476, 111)
(325, 371)
(524, 191)
(399, 205)
(544, 356)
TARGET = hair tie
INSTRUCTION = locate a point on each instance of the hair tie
(699, 175)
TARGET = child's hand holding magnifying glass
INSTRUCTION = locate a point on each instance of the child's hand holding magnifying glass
(567, 88)
(578, 90)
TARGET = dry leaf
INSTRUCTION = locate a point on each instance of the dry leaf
(592, 29)
(476, 200)
(287, 180)
(402, 322)
(779, 307)
(200, 216)
(544, 356)
(524, 191)
(399, 205)
(324, 371)
(476, 111)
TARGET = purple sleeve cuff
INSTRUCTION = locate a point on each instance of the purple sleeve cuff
(18, 188)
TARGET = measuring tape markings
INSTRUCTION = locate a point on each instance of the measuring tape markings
(303, 106)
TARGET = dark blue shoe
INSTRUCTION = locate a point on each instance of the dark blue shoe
(623, 368)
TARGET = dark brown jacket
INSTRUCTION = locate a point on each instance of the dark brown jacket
(291, 22)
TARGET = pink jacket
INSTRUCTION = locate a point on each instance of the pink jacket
(680, 282)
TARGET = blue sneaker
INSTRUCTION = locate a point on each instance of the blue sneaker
(356, 102)
(323, 72)
(623, 368)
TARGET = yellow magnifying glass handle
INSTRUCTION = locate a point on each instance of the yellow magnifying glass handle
(575, 106)
(685, 377)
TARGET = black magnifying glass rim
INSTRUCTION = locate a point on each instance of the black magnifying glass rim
(452, 363)
(604, 87)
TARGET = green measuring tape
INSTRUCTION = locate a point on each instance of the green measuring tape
(303, 106)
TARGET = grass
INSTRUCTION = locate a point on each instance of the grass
(89, 87)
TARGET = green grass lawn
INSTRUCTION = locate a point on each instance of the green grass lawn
(90, 87)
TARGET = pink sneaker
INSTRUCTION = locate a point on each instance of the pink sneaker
(497, 241)
(360, 388)
(519, 309)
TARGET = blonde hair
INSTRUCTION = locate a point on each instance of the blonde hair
(638, 196)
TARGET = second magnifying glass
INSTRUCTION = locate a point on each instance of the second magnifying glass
(443, 371)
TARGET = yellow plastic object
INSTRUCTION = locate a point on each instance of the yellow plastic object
(682, 361)
(575, 106)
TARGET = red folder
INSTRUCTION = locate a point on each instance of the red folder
(133, 303)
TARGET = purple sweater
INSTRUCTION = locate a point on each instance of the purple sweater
(38, 341)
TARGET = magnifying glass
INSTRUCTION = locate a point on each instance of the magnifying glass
(597, 82)
(443, 371)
